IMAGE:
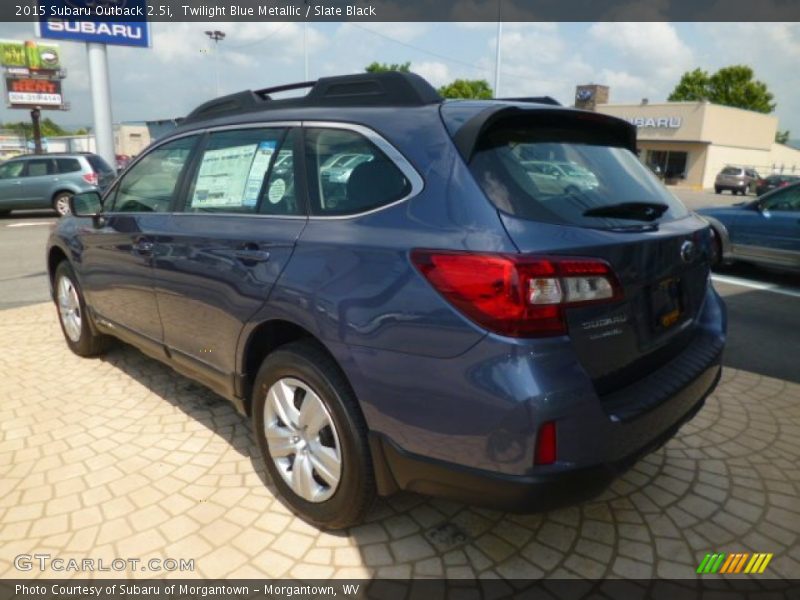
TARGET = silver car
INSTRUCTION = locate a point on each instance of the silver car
(50, 180)
(737, 180)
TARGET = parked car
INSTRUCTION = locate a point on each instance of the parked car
(50, 180)
(765, 231)
(442, 327)
(737, 180)
(773, 182)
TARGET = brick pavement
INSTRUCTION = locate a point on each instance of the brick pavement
(121, 457)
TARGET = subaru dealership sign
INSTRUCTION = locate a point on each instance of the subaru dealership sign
(89, 21)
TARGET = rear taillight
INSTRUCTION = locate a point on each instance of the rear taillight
(516, 295)
(90, 178)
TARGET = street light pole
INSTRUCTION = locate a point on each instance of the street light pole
(216, 36)
(497, 49)
(305, 49)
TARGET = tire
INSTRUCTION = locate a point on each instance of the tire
(78, 333)
(4, 213)
(303, 371)
(717, 190)
(61, 203)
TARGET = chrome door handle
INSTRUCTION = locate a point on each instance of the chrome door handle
(247, 255)
(144, 246)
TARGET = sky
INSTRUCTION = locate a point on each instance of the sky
(636, 60)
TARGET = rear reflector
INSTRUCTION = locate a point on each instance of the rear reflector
(517, 295)
(546, 444)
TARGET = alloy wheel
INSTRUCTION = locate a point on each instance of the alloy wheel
(302, 440)
(69, 309)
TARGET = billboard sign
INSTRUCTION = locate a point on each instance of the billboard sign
(95, 26)
(29, 56)
(28, 92)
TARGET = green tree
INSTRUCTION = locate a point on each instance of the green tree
(782, 137)
(467, 88)
(377, 67)
(730, 86)
(48, 127)
(693, 86)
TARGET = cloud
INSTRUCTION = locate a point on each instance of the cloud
(654, 50)
(437, 73)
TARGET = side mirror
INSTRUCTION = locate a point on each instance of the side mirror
(87, 204)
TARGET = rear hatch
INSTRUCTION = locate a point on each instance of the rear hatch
(105, 174)
(730, 176)
(657, 249)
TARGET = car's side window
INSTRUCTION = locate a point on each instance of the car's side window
(39, 167)
(151, 184)
(279, 196)
(233, 171)
(784, 200)
(67, 165)
(348, 174)
(11, 169)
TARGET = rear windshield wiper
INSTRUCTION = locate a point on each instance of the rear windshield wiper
(641, 211)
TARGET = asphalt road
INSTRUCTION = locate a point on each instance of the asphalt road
(764, 320)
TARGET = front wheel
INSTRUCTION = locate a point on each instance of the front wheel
(312, 436)
(61, 204)
(72, 315)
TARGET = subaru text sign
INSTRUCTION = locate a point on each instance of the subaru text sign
(112, 22)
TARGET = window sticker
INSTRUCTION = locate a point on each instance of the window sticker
(232, 177)
(276, 191)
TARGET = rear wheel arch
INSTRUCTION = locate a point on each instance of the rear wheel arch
(268, 337)
(721, 237)
(60, 191)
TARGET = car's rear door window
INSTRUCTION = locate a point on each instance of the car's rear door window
(233, 172)
(150, 185)
(348, 174)
(39, 167)
(568, 173)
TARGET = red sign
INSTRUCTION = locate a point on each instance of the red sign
(27, 91)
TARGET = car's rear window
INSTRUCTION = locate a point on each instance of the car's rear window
(731, 171)
(98, 164)
(569, 173)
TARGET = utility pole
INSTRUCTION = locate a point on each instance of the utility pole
(216, 36)
(37, 131)
(497, 49)
(101, 101)
(305, 49)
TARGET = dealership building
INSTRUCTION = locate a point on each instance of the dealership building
(690, 142)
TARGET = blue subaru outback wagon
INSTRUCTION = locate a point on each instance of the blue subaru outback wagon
(389, 286)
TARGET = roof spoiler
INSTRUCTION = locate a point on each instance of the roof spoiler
(466, 138)
(392, 88)
(533, 100)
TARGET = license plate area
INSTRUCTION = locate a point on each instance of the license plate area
(666, 300)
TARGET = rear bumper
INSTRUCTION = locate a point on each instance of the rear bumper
(397, 469)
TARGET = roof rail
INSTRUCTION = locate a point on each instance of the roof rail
(534, 100)
(364, 89)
